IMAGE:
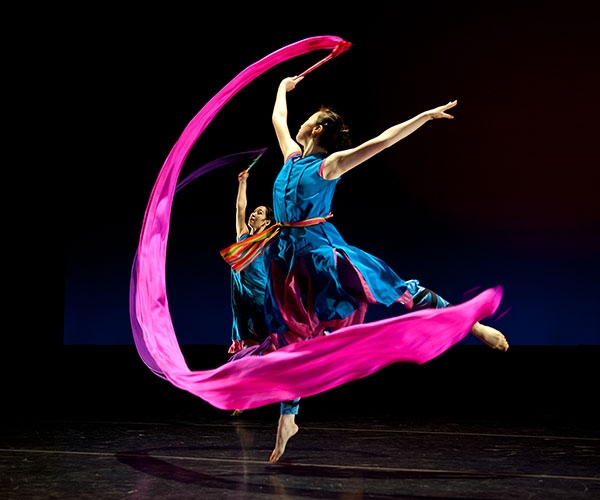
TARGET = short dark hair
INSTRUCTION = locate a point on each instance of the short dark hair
(269, 214)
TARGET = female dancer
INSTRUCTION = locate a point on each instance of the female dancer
(248, 286)
(317, 282)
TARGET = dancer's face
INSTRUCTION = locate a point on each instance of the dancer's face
(258, 219)
(307, 129)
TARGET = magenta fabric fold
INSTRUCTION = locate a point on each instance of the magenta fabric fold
(299, 370)
(317, 365)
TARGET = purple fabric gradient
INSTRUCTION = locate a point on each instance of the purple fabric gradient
(298, 370)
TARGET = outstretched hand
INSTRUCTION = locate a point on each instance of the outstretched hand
(440, 112)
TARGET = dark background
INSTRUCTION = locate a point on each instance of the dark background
(506, 193)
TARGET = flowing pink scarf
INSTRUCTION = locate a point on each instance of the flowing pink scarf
(299, 370)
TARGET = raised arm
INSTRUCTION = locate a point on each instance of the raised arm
(280, 114)
(240, 205)
(341, 162)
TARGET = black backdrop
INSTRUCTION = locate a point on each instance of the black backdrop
(503, 194)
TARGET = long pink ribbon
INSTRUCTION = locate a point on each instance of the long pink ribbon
(297, 370)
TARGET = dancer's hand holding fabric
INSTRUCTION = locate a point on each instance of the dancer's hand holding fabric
(290, 82)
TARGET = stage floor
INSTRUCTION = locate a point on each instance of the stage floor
(227, 457)
(470, 425)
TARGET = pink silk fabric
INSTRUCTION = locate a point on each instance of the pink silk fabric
(298, 370)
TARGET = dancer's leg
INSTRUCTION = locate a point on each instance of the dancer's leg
(286, 428)
(423, 298)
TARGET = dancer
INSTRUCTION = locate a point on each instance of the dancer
(352, 353)
(248, 286)
(317, 282)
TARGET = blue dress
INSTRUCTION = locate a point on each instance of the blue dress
(318, 282)
(247, 303)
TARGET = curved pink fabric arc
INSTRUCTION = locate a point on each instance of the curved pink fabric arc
(297, 370)
(158, 341)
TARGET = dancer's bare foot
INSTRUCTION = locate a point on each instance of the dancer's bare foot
(490, 336)
(285, 430)
(237, 413)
